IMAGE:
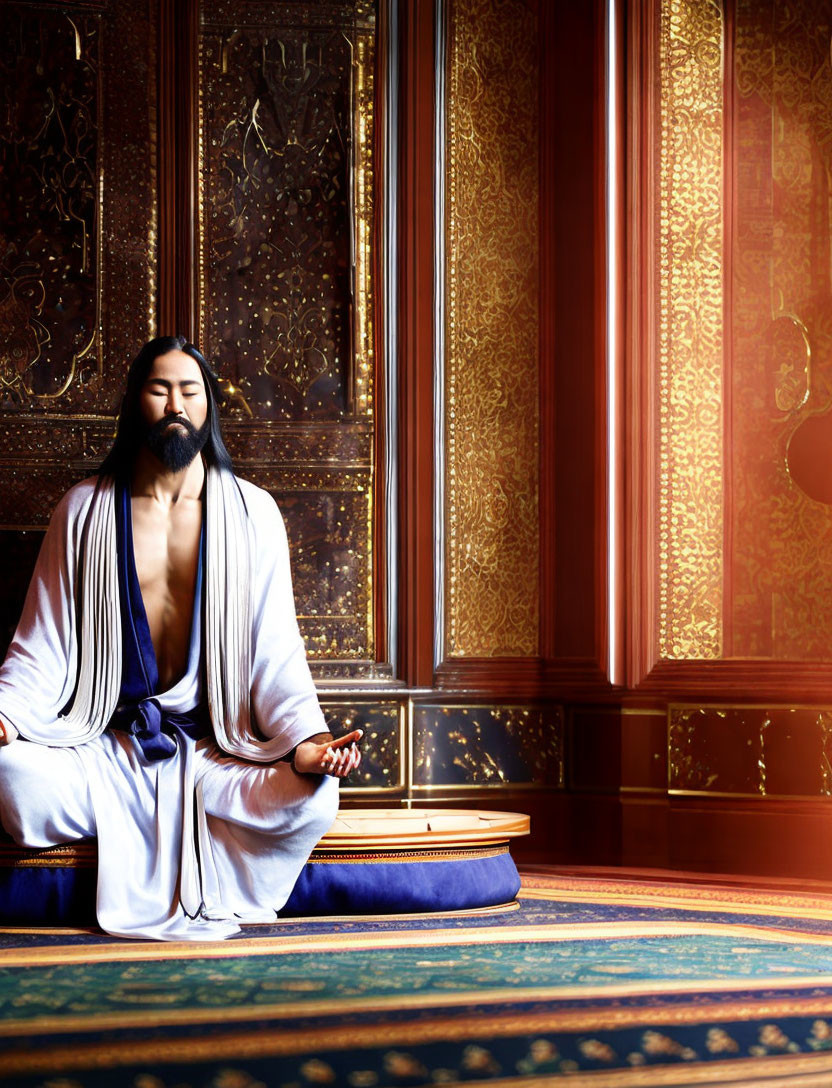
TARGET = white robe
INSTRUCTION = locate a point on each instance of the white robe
(190, 845)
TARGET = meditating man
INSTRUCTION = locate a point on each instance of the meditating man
(156, 694)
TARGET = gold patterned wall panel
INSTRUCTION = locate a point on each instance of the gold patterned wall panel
(491, 364)
(77, 237)
(781, 364)
(286, 284)
(743, 256)
(690, 358)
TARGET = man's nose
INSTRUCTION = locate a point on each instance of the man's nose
(175, 405)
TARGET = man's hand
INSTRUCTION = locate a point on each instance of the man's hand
(8, 733)
(334, 757)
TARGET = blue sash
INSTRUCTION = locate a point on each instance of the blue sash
(138, 712)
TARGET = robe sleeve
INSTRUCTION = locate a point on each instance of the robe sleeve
(284, 700)
(37, 677)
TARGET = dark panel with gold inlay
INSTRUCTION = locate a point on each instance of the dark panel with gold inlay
(277, 237)
(751, 750)
(286, 286)
(487, 745)
(77, 236)
(50, 69)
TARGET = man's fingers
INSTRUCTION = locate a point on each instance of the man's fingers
(340, 759)
(8, 733)
(347, 739)
(353, 759)
(344, 761)
(334, 758)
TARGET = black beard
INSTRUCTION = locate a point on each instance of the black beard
(175, 447)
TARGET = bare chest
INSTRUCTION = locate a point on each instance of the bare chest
(166, 550)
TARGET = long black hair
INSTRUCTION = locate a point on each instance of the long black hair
(130, 433)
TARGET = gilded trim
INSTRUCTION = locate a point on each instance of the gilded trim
(55, 857)
(322, 856)
(18, 857)
(690, 321)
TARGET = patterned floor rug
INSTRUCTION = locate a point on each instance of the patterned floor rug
(586, 980)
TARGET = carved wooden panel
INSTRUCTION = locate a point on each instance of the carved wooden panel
(77, 256)
(781, 366)
(285, 263)
(50, 66)
(286, 285)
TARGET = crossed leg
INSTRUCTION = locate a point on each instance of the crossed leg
(262, 823)
(257, 823)
(44, 795)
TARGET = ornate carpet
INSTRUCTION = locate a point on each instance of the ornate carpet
(598, 981)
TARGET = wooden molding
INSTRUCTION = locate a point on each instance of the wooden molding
(605, 284)
(166, 167)
(573, 346)
(792, 682)
(188, 146)
(178, 120)
(530, 678)
(416, 264)
(640, 393)
(760, 837)
(547, 331)
(381, 433)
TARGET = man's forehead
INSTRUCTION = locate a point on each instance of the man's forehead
(175, 366)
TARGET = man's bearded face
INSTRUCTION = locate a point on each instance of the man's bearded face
(175, 441)
(174, 410)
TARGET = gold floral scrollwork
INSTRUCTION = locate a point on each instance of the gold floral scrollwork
(49, 157)
(22, 334)
(491, 390)
(690, 223)
(793, 360)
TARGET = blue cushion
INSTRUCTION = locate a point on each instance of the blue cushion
(402, 887)
(43, 895)
(64, 895)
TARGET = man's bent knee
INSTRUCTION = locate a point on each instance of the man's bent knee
(44, 797)
(324, 805)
